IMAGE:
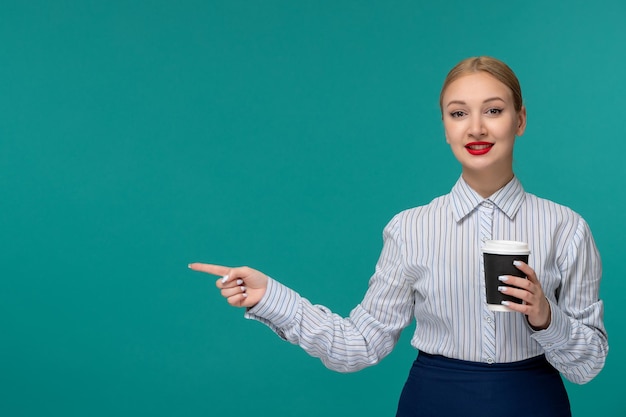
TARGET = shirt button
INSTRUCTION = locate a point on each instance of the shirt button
(490, 361)
(489, 320)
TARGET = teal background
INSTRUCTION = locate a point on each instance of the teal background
(136, 137)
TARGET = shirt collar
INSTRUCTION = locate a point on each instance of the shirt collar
(508, 198)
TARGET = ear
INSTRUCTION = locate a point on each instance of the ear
(521, 117)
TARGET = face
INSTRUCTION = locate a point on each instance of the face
(481, 124)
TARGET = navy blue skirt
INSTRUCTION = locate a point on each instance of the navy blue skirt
(439, 386)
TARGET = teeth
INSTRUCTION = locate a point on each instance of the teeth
(479, 147)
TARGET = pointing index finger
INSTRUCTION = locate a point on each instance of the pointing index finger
(210, 269)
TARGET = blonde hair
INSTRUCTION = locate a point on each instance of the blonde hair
(494, 67)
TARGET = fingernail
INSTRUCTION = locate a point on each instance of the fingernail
(224, 279)
(517, 263)
(243, 289)
(503, 278)
(505, 303)
(239, 281)
(502, 289)
(244, 295)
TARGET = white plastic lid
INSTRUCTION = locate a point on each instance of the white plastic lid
(506, 247)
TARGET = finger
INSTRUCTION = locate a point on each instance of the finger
(229, 292)
(237, 300)
(520, 308)
(236, 275)
(229, 281)
(226, 282)
(210, 269)
(517, 293)
(514, 281)
(523, 266)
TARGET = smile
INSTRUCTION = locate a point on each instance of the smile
(478, 148)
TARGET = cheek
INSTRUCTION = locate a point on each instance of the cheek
(504, 130)
(452, 133)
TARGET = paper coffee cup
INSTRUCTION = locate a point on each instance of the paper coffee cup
(498, 257)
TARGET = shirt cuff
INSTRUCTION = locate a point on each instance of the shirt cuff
(278, 306)
(558, 332)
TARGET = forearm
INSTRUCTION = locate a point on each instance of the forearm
(342, 344)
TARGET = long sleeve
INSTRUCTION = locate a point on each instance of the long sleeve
(576, 342)
(346, 344)
(430, 269)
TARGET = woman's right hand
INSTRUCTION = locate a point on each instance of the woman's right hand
(242, 286)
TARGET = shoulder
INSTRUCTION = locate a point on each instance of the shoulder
(431, 213)
(437, 204)
(551, 208)
(556, 218)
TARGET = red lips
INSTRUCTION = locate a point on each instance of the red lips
(478, 148)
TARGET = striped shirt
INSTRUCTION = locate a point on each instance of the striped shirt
(431, 269)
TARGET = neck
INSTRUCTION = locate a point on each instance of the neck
(485, 183)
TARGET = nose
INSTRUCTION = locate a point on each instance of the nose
(477, 127)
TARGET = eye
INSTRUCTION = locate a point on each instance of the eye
(494, 111)
(457, 114)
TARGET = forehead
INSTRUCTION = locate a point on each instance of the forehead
(477, 86)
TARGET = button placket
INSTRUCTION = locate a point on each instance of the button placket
(488, 323)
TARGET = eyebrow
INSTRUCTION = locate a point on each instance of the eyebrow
(463, 103)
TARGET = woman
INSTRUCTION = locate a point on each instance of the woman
(472, 361)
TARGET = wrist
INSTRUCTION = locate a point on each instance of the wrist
(542, 324)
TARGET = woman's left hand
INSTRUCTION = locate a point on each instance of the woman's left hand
(535, 306)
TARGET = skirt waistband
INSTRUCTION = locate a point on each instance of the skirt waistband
(440, 386)
(530, 364)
